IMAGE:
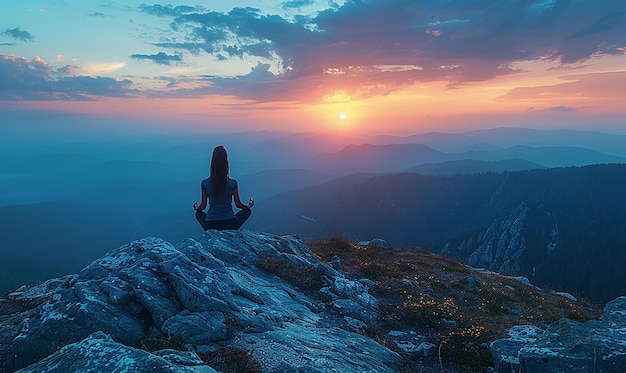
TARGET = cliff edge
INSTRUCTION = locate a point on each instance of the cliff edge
(128, 310)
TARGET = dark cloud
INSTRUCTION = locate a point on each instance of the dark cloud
(17, 33)
(561, 109)
(368, 48)
(160, 58)
(23, 79)
(171, 82)
(98, 15)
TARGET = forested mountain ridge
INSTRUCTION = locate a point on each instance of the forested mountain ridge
(561, 227)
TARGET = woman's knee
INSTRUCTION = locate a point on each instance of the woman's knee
(244, 214)
(201, 218)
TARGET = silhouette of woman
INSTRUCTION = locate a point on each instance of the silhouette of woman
(220, 190)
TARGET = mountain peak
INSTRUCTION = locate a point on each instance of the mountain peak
(201, 294)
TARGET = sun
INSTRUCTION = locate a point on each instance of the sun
(343, 116)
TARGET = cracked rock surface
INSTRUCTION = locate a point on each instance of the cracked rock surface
(205, 294)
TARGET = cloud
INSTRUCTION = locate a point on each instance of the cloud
(169, 10)
(561, 109)
(347, 47)
(604, 89)
(19, 34)
(68, 70)
(23, 79)
(160, 58)
(296, 4)
(102, 68)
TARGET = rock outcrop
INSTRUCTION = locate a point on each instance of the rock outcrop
(500, 246)
(99, 353)
(566, 345)
(265, 294)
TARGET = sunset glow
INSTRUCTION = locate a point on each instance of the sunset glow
(436, 68)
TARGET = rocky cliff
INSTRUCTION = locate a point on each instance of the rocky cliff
(203, 296)
(252, 302)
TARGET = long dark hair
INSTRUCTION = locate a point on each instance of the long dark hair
(219, 171)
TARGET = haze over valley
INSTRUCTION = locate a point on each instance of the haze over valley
(64, 203)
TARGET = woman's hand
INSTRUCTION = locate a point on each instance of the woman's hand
(195, 206)
(251, 202)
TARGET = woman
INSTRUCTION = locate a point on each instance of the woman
(219, 189)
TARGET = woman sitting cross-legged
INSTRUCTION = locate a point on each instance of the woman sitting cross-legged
(220, 191)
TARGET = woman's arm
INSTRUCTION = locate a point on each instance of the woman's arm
(238, 201)
(202, 205)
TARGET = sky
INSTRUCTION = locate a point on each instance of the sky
(369, 66)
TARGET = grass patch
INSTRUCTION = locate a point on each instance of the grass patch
(10, 306)
(152, 344)
(460, 310)
(231, 360)
(307, 279)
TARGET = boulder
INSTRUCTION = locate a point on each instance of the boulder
(505, 351)
(99, 353)
(569, 346)
(412, 343)
(377, 242)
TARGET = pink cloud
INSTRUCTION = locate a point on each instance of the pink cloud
(602, 90)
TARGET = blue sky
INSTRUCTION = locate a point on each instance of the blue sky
(376, 65)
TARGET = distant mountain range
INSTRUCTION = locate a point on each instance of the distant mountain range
(402, 157)
(264, 184)
(561, 227)
(471, 166)
(319, 185)
(504, 137)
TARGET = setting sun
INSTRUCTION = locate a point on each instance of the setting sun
(343, 116)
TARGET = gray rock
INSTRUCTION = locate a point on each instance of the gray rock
(448, 323)
(99, 353)
(566, 295)
(355, 325)
(203, 295)
(197, 289)
(412, 343)
(335, 262)
(347, 307)
(160, 307)
(196, 328)
(501, 245)
(569, 346)
(300, 348)
(187, 358)
(71, 315)
(505, 351)
(378, 242)
(356, 291)
(614, 314)
(414, 285)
